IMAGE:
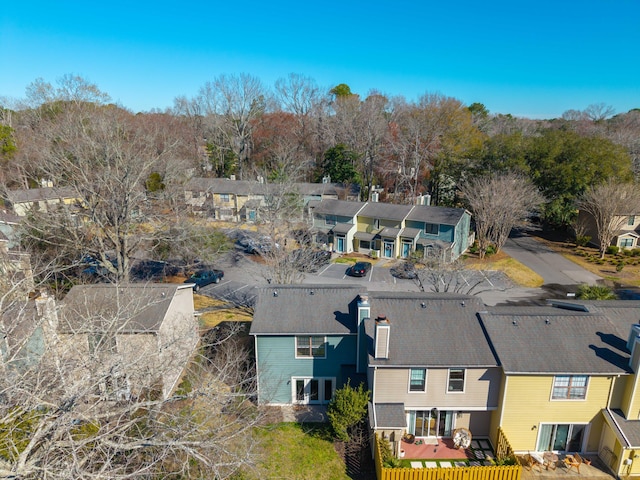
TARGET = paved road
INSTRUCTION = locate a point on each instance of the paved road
(551, 266)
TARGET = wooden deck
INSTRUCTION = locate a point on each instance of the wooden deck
(595, 471)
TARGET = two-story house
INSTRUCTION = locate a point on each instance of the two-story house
(242, 200)
(24, 200)
(140, 337)
(393, 231)
(627, 227)
(570, 379)
(305, 342)
(429, 365)
(334, 223)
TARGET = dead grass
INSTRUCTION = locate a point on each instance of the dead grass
(586, 257)
(516, 271)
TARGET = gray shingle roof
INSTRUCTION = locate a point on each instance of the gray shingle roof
(341, 208)
(629, 428)
(387, 415)
(387, 211)
(622, 313)
(127, 309)
(445, 332)
(305, 309)
(568, 343)
(441, 215)
(40, 194)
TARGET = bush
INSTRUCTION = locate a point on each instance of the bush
(613, 250)
(635, 252)
(582, 240)
(619, 266)
(491, 250)
(385, 449)
(347, 407)
(595, 292)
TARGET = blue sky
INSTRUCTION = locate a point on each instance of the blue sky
(528, 58)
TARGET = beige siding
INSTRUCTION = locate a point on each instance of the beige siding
(177, 339)
(481, 389)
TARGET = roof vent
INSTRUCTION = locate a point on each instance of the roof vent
(275, 293)
(515, 323)
(311, 292)
(463, 304)
(547, 321)
(423, 305)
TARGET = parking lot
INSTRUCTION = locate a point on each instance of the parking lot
(244, 274)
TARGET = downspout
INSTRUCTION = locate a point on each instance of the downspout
(373, 399)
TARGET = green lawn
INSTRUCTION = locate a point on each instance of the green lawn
(301, 452)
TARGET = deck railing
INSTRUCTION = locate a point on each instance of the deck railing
(503, 472)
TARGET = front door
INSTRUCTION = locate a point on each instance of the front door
(340, 244)
(406, 249)
(388, 249)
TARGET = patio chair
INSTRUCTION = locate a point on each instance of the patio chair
(530, 463)
(573, 461)
(584, 460)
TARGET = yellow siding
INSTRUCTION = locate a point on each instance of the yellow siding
(528, 403)
(365, 224)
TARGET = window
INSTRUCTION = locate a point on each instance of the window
(224, 197)
(417, 379)
(626, 242)
(456, 380)
(310, 347)
(365, 244)
(330, 220)
(569, 387)
(312, 390)
(431, 228)
(631, 220)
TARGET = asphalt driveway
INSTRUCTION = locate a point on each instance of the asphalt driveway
(551, 266)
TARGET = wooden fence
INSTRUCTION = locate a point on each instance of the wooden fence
(497, 472)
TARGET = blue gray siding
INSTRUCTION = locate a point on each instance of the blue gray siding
(277, 364)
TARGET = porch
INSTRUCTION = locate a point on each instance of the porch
(440, 452)
(595, 471)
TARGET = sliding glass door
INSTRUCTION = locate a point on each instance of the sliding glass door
(561, 437)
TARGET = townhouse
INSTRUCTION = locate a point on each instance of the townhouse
(561, 377)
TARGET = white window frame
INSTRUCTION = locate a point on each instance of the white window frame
(321, 390)
(311, 357)
(424, 388)
(569, 387)
(464, 380)
(225, 198)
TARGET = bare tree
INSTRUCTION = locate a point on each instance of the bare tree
(498, 203)
(231, 103)
(68, 411)
(609, 204)
(436, 273)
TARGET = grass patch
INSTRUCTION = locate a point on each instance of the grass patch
(201, 302)
(516, 271)
(300, 451)
(211, 319)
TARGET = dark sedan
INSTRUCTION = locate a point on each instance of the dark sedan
(202, 278)
(360, 269)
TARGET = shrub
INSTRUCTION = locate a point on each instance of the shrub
(491, 249)
(385, 450)
(582, 240)
(636, 252)
(474, 248)
(613, 249)
(347, 407)
(619, 266)
(595, 292)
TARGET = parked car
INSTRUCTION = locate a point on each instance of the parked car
(404, 270)
(202, 278)
(260, 246)
(359, 269)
